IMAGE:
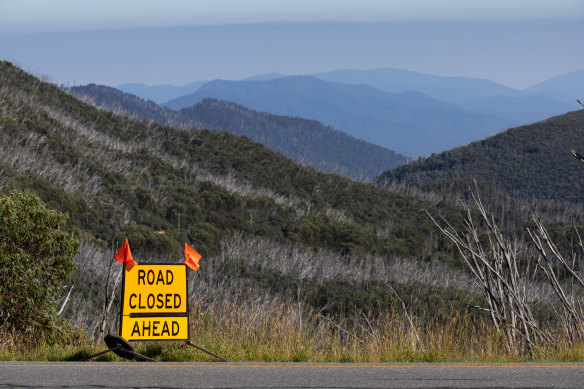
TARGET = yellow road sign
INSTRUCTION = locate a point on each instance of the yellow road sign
(154, 303)
(155, 328)
(155, 289)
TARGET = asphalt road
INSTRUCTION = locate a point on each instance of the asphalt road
(287, 375)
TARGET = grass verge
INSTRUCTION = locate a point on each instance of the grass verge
(243, 329)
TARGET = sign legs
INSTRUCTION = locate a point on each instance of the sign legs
(188, 342)
(121, 348)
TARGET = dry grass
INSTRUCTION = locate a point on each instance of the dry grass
(241, 328)
(253, 325)
(265, 330)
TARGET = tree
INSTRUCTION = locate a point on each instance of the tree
(494, 259)
(35, 259)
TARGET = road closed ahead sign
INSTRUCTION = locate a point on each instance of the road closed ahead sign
(154, 303)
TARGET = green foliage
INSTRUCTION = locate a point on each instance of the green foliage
(528, 162)
(139, 191)
(35, 258)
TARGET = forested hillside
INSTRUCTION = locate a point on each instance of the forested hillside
(284, 246)
(530, 162)
(307, 142)
(259, 220)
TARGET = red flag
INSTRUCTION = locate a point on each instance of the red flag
(125, 256)
(191, 258)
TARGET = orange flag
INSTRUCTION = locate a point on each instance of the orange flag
(191, 258)
(125, 256)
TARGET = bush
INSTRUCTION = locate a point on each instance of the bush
(35, 259)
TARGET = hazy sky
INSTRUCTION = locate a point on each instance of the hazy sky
(514, 42)
(63, 15)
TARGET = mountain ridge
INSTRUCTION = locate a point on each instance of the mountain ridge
(389, 120)
(305, 141)
(388, 79)
(444, 88)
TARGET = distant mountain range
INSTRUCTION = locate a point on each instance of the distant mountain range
(305, 141)
(160, 93)
(373, 104)
(549, 98)
(410, 123)
(566, 87)
(447, 89)
(530, 162)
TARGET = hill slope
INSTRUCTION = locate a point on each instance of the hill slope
(267, 227)
(305, 141)
(528, 162)
(394, 121)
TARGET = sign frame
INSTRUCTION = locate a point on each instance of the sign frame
(162, 315)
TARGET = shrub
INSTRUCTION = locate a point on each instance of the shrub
(35, 259)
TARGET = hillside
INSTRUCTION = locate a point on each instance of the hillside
(305, 141)
(264, 225)
(528, 162)
(390, 120)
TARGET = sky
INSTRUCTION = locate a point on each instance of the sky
(112, 42)
(71, 15)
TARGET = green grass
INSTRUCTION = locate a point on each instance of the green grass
(263, 331)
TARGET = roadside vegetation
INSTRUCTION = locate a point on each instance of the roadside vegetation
(276, 331)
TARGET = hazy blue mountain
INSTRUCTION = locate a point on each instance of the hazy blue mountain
(265, 77)
(567, 87)
(305, 141)
(485, 97)
(410, 123)
(448, 89)
(520, 109)
(159, 93)
(475, 95)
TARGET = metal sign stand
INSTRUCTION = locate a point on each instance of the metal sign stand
(188, 342)
(121, 348)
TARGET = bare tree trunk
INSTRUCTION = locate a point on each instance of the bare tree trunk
(495, 266)
(572, 317)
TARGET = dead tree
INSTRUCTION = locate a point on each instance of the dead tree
(550, 260)
(494, 261)
(571, 314)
